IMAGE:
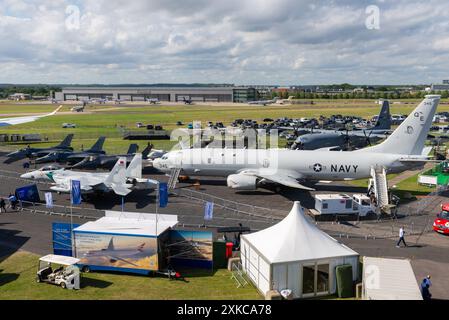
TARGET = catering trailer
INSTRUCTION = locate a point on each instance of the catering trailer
(124, 241)
(342, 204)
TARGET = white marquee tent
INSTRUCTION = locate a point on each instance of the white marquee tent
(295, 255)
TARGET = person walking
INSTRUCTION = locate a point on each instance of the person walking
(401, 238)
(426, 282)
(2, 205)
(13, 201)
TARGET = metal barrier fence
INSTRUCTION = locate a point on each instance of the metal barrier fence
(267, 214)
(416, 218)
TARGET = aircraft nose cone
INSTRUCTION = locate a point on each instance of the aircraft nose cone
(157, 164)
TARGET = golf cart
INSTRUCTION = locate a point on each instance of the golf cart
(67, 274)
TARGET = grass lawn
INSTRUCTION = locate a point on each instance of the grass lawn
(17, 281)
(105, 119)
(411, 186)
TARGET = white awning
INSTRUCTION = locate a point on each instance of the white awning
(62, 260)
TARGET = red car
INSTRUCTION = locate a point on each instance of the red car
(441, 224)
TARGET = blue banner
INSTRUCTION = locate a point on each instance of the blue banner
(76, 192)
(49, 200)
(62, 238)
(209, 211)
(163, 195)
(28, 193)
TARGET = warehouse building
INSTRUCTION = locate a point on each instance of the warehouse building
(164, 94)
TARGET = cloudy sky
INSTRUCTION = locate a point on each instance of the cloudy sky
(224, 41)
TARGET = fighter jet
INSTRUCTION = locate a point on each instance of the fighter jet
(20, 120)
(128, 256)
(108, 161)
(153, 100)
(73, 157)
(188, 101)
(78, 108)
(29, 152)
(133, 173)
(93, 182)
(246, 169)
(264, 102)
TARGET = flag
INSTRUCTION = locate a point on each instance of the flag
(49, 200)
(163, 195)
(75, 192)
(209, 211)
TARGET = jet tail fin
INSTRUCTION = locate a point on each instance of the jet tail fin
(118, 173)
(384, 120)
(135, 167)
(98, 146)
(410, 137)
(147, 151)
(133, 148)
(66, 142)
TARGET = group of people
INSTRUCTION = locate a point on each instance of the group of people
(13, 202)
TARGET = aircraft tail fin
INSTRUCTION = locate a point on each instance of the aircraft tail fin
(98, 146)
(118, 173)
(384, 120)
(410, 137)
(66, 142)
(133, 148)
(111, 244)
(135, 167)
(147, 151)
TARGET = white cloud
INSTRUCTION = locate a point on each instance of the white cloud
(252, 41)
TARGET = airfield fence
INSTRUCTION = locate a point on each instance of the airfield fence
(267, 214)
(230, 213)
(416, 218)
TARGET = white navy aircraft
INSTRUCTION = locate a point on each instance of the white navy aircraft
(245, 169)
(20, 120)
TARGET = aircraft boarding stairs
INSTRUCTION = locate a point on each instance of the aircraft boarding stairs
(378, 186)
(174, 176)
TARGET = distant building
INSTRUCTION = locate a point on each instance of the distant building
(19, 96)
(439, 87)
(167, 94)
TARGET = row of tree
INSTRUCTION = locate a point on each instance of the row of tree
(37, 90)
(358, 95)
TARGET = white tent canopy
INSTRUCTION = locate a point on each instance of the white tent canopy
(274, 258)
(296, 239)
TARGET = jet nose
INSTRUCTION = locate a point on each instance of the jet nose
(157, 163)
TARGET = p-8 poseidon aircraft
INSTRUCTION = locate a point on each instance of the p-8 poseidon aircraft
(245, 169)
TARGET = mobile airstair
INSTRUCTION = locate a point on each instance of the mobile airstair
(378, 186)
(174, 176)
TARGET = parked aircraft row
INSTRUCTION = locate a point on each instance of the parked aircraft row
(402, 150)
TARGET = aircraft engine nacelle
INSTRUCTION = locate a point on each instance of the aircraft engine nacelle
(242, 182)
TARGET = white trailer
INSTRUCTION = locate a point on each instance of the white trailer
(342, 204)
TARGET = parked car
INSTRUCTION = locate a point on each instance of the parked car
(441, 223)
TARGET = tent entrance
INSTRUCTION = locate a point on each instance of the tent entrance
(315, 279)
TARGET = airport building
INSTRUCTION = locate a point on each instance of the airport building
(164, 94)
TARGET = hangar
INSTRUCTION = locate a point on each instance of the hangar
(166, 94)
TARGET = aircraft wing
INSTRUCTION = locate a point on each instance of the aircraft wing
(121, 259)
(120, 190)
(284, 177)
(20, 120)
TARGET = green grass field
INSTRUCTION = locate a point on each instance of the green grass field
(17, 281)
(106, 119)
